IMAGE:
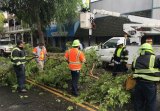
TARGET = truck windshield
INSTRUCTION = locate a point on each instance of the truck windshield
(112, 43)
(5, 42)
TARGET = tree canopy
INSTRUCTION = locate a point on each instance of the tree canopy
(40, 13)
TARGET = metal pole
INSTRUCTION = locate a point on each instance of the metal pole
(15, 38)
(14, 28)
(89, 39)
(89, 43)
(90, 5)
(90, 30)
(22, 35)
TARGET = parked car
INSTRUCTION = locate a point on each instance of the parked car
(6, 46)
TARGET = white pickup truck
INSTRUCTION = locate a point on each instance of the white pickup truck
(6, 46)
(106, 50)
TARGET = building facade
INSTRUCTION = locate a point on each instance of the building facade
(129, 6)
(107, 26)
(16, 29)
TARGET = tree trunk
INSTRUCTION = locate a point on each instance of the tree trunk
(40, 32)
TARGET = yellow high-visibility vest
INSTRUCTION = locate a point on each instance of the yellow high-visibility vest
(147, 74)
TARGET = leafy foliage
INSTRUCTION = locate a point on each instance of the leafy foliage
(69, 44)
(91, 58)
(57, 76)
(108, 92)
(6, 72)
(53, 49)
(40, 13)
(28, 49)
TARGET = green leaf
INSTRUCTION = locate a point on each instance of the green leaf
(70, 108)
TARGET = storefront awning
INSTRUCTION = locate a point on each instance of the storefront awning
(62, 31)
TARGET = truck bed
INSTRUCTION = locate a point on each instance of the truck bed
(133, 52)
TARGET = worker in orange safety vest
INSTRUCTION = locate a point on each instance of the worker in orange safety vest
(75, 58)
(41, 53)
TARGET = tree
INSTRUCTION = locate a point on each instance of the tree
(40, 13)
(2, 18)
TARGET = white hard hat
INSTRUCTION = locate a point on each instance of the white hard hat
(119, 42)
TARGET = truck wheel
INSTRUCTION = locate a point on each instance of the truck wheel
(2, 53)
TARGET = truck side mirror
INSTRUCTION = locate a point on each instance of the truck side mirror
(101, 46)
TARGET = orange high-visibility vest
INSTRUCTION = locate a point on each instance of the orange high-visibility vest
(40, 53)
(75, 59)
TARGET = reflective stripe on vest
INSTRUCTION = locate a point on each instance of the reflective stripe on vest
(17, 58)
(151, 78)
(147, 73)
(124, 60)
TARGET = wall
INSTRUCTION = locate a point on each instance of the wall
(156, 9)
(123, 6)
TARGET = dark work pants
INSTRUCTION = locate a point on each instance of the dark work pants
(20, 74)
(145, 96)
(119, 68)
(75, 78)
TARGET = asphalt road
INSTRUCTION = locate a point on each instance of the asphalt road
(34, 100)
(39, 100)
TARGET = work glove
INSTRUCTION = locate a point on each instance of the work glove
(36, 56)
(112, 60)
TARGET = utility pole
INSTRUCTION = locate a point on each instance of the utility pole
(89, 37)
(90, 30)
(86, 19)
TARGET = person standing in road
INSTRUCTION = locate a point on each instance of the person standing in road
(120, 58)
(40, 52)
(75, 58)
(81, 47)
(146, 73)
(18, 60)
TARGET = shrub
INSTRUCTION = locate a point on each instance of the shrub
(108, 92)
(53, 49)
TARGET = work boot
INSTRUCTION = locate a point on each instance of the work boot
(114, 74)
(22, 91)
(75, 94)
